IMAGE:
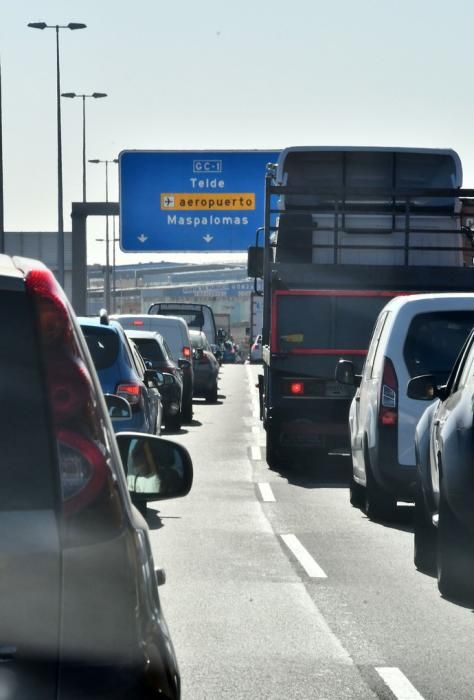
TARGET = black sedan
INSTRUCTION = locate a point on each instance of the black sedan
(444, 504)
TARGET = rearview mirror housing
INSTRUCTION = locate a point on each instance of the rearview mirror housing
(345, 373)
(423, 388)
(118, 407)
(255, 261)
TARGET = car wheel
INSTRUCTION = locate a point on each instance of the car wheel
(173, 422)
(356, 493)
(425, 534)
(211, 397)
(378, 504)
(455, 561)
(187, 411)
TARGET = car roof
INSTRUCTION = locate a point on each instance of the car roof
(163, 319)
(149, 335)
(95, 322)
(422, 300)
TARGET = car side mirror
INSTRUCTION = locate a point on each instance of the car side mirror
(152, 375)
(183, 364)
(118, 407)
(168, 379)
(156, 469)
(423, 388)
(345, 373)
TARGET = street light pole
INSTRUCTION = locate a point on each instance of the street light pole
(107, 258)
(95, 95)
(57, 27)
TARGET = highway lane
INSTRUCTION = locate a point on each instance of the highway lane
(251, 616)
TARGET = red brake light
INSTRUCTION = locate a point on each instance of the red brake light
(138, 322)
(186, 352)
(388, 402)
(131, 392)
(297, 388)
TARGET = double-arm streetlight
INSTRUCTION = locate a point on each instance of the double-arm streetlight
(57, 27)
(95, 95)
(107, 266)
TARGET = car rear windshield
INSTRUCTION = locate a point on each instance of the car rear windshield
(326, 321)
(150, 349)
(434, 341)
(27, 464)
(103, 345)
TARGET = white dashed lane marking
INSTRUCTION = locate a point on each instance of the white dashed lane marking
(311, 567)
(256, 453)
(398, 683)
(266, 493)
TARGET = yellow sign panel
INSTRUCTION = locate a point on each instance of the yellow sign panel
(207, 201)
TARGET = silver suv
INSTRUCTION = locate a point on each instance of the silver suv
(80, 614)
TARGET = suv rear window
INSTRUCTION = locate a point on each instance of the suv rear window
(434, 341)
(103, 346)
(325, 321)
(27, 463)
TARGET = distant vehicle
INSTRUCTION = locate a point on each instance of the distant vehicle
(121, 371)
(199, 317)
(206, 367)
(157, 355)
(80, 611)
(175, 331)
(444, 502)
(256, 350)
(415, 334)
(229, 352)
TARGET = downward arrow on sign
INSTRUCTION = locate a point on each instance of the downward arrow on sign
(142, 238)
(208, 238)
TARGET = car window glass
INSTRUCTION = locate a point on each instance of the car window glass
(466, 375)
(168, 350)
(434, 341)
(27, 464)
(103, 346)
(149, 349)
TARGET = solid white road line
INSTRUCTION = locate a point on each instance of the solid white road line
(256, 453)
(304, 557)
(398, 683)
(266, 493)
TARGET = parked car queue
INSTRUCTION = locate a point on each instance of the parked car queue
(411, 425)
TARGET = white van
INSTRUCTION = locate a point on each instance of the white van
(176, 333)
(414, 335)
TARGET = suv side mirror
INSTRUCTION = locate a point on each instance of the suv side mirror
(156, 469)
(255, 261)
(345, 373)
(118, 407)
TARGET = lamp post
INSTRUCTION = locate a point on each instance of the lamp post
(57, 27)
(114, 288)
(95, 95)
(107, 265)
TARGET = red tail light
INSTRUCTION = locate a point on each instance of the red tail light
(138, 322)
(131, 392)
(81, 444)
(297, 388)
(388, 401)
(186, 352)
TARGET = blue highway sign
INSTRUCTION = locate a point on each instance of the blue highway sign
(191, 200)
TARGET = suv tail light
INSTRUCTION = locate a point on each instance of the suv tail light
(131, 392)
(82, 445)
(187, 352)
(388, 402)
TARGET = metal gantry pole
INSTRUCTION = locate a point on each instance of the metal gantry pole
(60, 169)
(84, 197)
(107, 259)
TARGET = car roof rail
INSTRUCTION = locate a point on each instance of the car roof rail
(104, 317)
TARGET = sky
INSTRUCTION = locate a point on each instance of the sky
(257, 74)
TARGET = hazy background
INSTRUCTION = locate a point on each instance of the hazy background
(253, 74)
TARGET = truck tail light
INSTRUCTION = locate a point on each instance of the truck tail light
(81, 442)
(131, 392)
(297, 388)
(388, 402)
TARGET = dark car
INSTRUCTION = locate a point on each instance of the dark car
(206, 367)
(157, 355)
(444, 502)
(121, 371)
(80, 613)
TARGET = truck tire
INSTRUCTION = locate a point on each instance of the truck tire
(378, 504)
(424, 555)
(173, 422)
(272, 451)
(455, 560)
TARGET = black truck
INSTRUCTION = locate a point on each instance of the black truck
(346, 229)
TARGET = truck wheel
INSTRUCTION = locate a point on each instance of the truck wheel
(173, 422)
(455, 554)
(425, 534)
(379, 505)
(272, 452)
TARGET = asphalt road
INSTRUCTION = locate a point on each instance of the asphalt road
(278, 588)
